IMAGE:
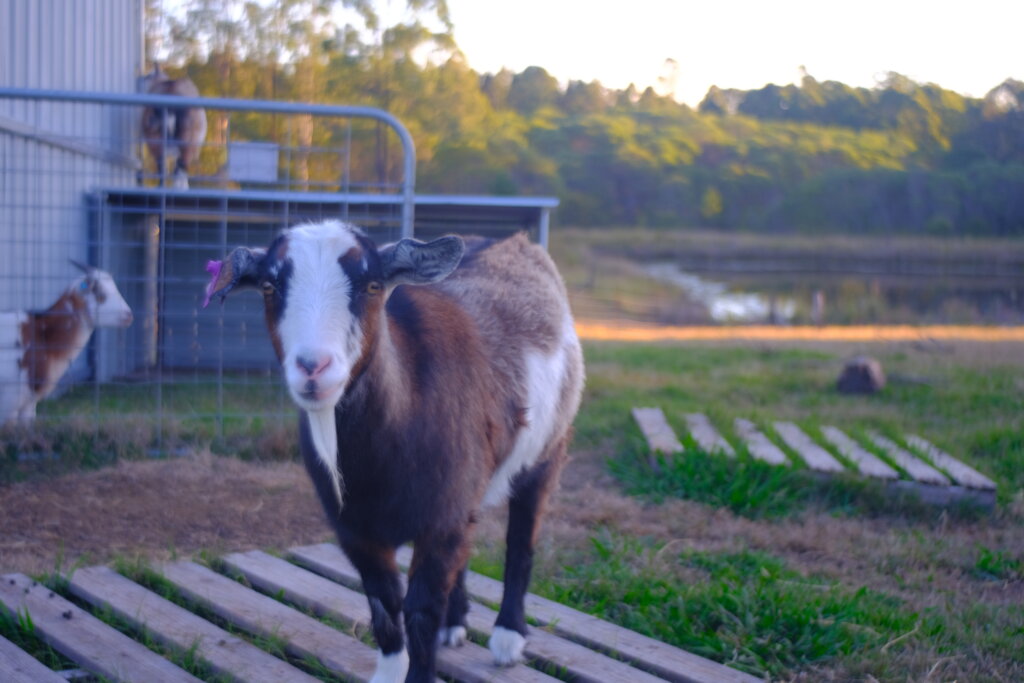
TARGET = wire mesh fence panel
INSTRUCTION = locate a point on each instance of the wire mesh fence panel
(79, 183)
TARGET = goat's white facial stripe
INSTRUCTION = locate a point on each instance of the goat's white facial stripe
(317, 325)
(321, 340)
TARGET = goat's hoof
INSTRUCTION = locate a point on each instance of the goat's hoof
(507, 646)
(452, 636)
(391, 668)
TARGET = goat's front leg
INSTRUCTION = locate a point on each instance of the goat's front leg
(435, 566)
(383, 588)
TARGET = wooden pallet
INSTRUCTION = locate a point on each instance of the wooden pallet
(930, 473)
(259, 596)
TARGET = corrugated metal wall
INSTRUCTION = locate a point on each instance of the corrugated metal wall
(50, 152)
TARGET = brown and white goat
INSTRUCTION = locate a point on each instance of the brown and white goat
(433, 379)
(175, 131)
(36, 347)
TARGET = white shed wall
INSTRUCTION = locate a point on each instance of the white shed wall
(51, 153)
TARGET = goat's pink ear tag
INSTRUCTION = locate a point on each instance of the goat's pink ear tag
(214, 268)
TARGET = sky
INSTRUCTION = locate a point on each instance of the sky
(969, 47)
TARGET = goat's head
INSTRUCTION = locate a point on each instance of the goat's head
(323, 287)
(106, 306)
(322, 284)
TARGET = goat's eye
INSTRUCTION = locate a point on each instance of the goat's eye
(374, 287)
(268, 287)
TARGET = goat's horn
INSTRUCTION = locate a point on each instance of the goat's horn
(81, 266)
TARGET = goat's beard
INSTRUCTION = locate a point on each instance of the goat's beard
(324, 434)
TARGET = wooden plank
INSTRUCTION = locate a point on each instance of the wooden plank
(655, 428)
(304, 636)
(581, 663)
(961, 473)
(758, 444)
(652, 655)
(83, 638)
(868, 463)
(915, 467)
(18, 666)
(945, 495)
(706, 436)
(816, 457)
(170, 624)
(470, 663)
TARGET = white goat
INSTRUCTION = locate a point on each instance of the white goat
(434, 378)
(36, 347)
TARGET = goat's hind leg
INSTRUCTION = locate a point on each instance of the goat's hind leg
(383, 588)
(180, 178)
(453, 632)
(530, 490)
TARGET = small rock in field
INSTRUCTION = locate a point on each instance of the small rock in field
(861, 375)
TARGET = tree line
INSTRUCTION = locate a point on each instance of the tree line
(901, 157)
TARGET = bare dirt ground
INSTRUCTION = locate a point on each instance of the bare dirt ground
(162, 508)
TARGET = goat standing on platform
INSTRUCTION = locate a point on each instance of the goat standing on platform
(175, 131)
(434, 378)
(36, 347)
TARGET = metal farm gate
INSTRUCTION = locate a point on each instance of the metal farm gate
(182, 377)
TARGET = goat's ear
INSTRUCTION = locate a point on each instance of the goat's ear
(410, 261)
(240, 270)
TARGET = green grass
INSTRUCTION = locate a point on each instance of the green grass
(746, 609)
(974, 413)
(756, 490)
(20, 630)
(945, 609)
(88, 428)
(998, 565)
(751, 611)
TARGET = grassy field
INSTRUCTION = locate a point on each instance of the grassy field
(784, 575)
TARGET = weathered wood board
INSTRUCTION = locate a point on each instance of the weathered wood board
(170, 624)
(264, 616)
(83, 638)
(585, 665)
(573, 644)
(759, 446)
(659, 434)
(963, 474)
(706, 436)
(915, 467)
(471, 663)
(18, 666)
(663, 660)
(816, 457)
(867, 462)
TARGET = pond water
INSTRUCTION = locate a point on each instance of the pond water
(738, 295)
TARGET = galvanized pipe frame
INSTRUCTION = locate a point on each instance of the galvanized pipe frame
(265, 106)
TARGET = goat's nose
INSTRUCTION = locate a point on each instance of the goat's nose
(312, 365)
